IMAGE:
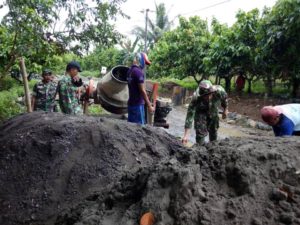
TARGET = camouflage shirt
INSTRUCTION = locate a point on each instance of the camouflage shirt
(199, 106)
(44, 94)
(68, 96)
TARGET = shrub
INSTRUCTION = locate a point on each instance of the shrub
(9, 106)
(10, 91)
(87, 73)
(96, 110)
(7, 83)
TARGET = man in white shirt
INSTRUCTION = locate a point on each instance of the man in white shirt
(284, 119)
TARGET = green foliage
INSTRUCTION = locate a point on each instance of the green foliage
(95, 110)
(259, 87)
(91, 64)
(180, 53)
(130, 47)
(258, 45)
(10, 91)
(221, 55)
(102, 57)
(7, 83)
(279, 40)
(8, 104)
(188, 83)
(87, 73)
(30, 29)
(58, 63)
(156, 28)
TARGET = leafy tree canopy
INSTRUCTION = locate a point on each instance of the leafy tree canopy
(37, 29)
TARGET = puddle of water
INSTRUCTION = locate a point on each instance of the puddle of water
(230, 131)
(176, 119)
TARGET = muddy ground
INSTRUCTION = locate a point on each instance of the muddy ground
(250, 105)
(176, 119)
(57, 169)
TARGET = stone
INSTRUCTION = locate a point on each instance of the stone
(286, 218)
(256, 221)
(230, 214)
(269, 213)
(278, 195)
(251, 123)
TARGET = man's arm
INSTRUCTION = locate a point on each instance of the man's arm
(224, 102)
(189, 120)
(286, 128)
(145, 96)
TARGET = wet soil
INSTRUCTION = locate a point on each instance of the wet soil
(250, 105)
(57, 169)
(246, 104)
(49, 161)
(234, 181)
(176, 119)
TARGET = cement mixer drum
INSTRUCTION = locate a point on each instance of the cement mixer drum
(112, 90)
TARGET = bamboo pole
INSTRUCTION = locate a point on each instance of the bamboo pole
(25, 83)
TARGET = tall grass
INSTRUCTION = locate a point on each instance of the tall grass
(10, 92)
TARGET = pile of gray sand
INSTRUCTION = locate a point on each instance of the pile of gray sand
(57, 169)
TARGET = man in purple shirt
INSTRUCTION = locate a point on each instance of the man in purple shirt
(137, 92)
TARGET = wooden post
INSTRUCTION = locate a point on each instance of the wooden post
(150, 116)
(86, 107)
(25, 82)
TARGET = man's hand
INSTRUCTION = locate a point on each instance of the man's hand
(185, 136)
(225, 113)
(184, 140)
(76, 78)
(151, 109)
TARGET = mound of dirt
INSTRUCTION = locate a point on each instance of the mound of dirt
(86, 170)
(233, 181)
(50, 162)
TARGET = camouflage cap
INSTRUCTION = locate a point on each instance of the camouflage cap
(218, 88)
(46, 72)
(205, 87)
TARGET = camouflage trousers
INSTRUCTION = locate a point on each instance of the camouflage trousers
(206, 125)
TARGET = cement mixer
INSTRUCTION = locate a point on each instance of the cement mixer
(112, 91)
(112, 94)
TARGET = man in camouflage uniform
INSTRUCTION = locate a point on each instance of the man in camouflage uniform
(203, 110)
(44, 92)
(69, 90)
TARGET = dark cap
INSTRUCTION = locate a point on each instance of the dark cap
(73, 64)
(46, 72)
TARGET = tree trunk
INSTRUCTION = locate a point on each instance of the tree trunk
(249, 86)
(216, 80)
(25, 82)
(195, 78)
(228, 84)
(269, 84)
(296, 88)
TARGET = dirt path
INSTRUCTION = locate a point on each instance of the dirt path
(176, 119)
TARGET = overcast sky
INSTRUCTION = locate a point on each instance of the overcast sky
(223, 10)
